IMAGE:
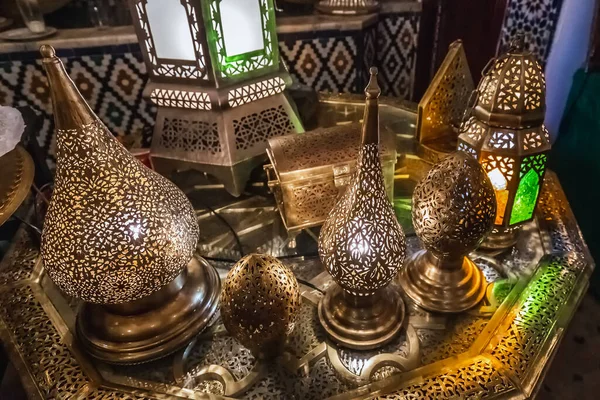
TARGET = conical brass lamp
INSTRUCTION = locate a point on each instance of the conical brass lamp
(362, 246)
(121, 238)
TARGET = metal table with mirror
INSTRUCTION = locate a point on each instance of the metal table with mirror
(501, 349)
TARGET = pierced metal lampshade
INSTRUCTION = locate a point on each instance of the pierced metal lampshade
(505, 133)
(362, 246)
(443, 105)
(121, 238)
(217, 80)
(259, 303)
(453, 210)
(347, 7)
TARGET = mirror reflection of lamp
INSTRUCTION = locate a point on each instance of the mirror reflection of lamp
(505, 133)
(217, 80)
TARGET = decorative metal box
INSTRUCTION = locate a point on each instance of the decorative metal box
(308, 171)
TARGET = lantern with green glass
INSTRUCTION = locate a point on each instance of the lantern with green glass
(505, 132)
(217, 80)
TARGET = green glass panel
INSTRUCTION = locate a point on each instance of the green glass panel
(403, 210)
(237, 50)
(526, 197)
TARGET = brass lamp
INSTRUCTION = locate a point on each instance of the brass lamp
(362, 246)
(121, 238)
(505, 133)
(216, 77)
(260, 302)
(453, 210)
(347, 7)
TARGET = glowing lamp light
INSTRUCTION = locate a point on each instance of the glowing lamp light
(505, 133)
(363, 246)
(216, 78)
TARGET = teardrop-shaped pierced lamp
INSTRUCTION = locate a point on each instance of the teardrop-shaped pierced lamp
(121, 238)
(362, 246)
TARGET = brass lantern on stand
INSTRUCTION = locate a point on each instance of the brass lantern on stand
(217, 80)
(505, 133)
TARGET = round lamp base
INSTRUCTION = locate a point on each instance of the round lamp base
(442, 288)
(349, 7)
(154, 326)
(361, 322)
(500, 239)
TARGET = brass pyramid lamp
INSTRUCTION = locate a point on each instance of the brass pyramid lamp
(362, 246)
(121, 238)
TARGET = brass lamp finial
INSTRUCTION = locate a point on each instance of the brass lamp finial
(373, 91)
(370, 130)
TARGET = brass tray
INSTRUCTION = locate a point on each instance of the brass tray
(500, 350)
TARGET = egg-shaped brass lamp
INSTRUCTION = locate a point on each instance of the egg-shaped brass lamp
(453, 210)
(121, 238)
(259, 304)
(506, 134)
(362, 246)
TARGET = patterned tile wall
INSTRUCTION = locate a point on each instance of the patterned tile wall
(112, 78)
(397, 53)
(536, 19)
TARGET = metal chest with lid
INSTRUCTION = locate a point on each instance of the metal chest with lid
(308, 171)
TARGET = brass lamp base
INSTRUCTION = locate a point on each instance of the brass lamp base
(347, 7)
(440, 286)
(154, 326)
(500, 239)
(361, 322)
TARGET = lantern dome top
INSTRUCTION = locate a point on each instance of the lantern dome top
(512, 92)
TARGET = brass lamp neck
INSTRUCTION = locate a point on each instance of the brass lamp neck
(70, 109)
(370, 130)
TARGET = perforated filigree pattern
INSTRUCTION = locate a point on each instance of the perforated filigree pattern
(255, 91)
(181, 99)
(515, 84)
(190, 135)
(19, 263)
(181, 69)
(502, 140)
(445, 100)
(475, 381)
(259, 303)
(453, 207)
(115, 230)
(47, 357)
(546, 295)
(313, 202)
(255, 129)
(361, 244)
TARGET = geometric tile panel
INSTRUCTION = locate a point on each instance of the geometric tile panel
(536, 19)
(369, 53)
(326, 63)
(397, 53)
